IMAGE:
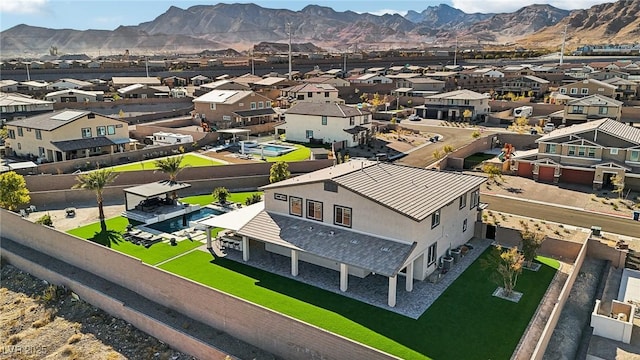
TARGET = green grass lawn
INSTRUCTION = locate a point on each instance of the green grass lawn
(466, 322)
(236, 197)
(113, 238)
(189, 160)
(300, 154)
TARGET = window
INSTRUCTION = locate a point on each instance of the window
(600, 89)
(577, 109)
(435, 219)
(464, 225)
(226, 117)
(40, 151)
(309, 94)
(20, 131)
(475, 198)
(38, 134)
(613, 151)
(295, 206)
(91, 116)
(86, 132)
(101, 131)
(111, 130)
(574, 91)
(309, 134)
(581, 150)
(603, 110)
(635, 155)
(584, 91)
(253, 106)
(462, 201)
(550, 149)
(342, 215)
(324, 120)
(212, 106)
(366, 119)
(352, 121)
(563, 91)
(591, 152)
(432, 254)
(19, 146)
(281, 197)
(314, 210)
(12, 134)
(300, 97)
(330, 186)
(571, 151)
(267, 104)
(326, 94)
(260, 105)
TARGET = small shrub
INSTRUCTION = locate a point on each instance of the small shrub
(45, 220)
(253, 199)
(49, 294)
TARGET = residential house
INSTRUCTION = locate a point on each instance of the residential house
(32, 86)
(174, 81)
(18, 106)
(318, 93)
(247, 79)
(309, 122)
(66, 84)
(224, 84)
(453, 105)
(328, 79)
(143, 91)
(589, 153)
(365, 219)
(67, 134)
(527, 85)
(119, 82)
(588, 87)
(418, 86)
(8, 86)
(74, 95)
(370, 78)
(199, 80)
(603, 75)
(625, 89)
(591, 108)
(223, 109)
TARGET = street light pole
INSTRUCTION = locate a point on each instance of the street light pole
(290, 77)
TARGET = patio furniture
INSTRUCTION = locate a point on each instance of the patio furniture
(70, 212)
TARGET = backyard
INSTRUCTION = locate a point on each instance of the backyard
(465, 322)
(189, 160)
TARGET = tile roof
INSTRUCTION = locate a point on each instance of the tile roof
(460, 94)
(595, 99)
(222, 96)
(383, 256)
(413, 192)
(306, 87)
(322, 109)
(609, 126)
(51, 120)
(9, 99)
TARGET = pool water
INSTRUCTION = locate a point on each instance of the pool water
(275, 148)
(175, 224)
(271, 149)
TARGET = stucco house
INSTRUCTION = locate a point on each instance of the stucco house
(588, 153)
(524, 86)
(588, 87)
(316, 93)
(363, 218)
(18, 106)
(452, 105)
(67, 83)
(74, 95)
(625, 89)
(327, 123)
(223, 109)
(67, 134)
(591, 108)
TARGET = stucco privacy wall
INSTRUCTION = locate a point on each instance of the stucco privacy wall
(175, 338)
(273, 332)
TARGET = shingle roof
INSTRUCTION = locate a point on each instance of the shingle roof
(51, 120)
(379, 255)
(333, 110)
(595, 99)
(8, 99)
(255, 112)
(460, 94)
(609, 126)
(413, 192)
(80, 144)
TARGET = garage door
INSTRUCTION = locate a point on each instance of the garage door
(525, 169)
(573, 176)
(545, 173)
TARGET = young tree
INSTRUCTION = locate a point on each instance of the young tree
(507, 265)
(437, 154)
(531, 242)
(493, 172)
(171, 166)
(96, 181)
(221, 194)
(475, 134)
(448, 149)
(280, 171)
(618, 184)
(13, 191)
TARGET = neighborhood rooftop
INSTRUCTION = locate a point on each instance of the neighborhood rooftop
(612, 127)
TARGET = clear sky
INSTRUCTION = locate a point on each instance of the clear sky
(109, 14)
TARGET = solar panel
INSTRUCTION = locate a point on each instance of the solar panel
(67, 115)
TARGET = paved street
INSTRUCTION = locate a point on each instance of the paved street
(576, 217)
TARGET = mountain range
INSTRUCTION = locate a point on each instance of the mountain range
(241, 26)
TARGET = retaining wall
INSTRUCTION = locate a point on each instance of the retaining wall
(261, 327)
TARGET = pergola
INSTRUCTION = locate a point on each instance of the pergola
(235, 132)
(134, 195)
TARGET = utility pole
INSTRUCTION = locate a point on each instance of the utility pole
(289, 25)
(146, 65)
(28, 76)
(253, 68)
(455, 53)
(564, 38)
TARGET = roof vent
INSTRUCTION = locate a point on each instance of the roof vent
(354, 241)
(385, 249)
(310, 228)
(331, 233)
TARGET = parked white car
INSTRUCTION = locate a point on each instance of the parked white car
(414, 117)
(548, 127)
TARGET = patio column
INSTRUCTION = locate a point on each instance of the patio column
(294, 262)
(344, 276)
(409, 277)
(209, 238)
(393, 282)
(245, 248)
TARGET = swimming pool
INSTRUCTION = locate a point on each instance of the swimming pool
(271, 149)
(175, 224)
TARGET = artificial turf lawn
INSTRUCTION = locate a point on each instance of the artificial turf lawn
(300, 154)
(189, 160)
(235, 197)
(466, 322)
(113, 238)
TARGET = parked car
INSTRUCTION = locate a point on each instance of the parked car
(548, 127)
(414, 117)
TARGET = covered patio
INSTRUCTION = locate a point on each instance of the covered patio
(301, 241)
(151, 203)
(234, 133)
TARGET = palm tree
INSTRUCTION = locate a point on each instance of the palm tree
(96, 181)
(171, 166)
